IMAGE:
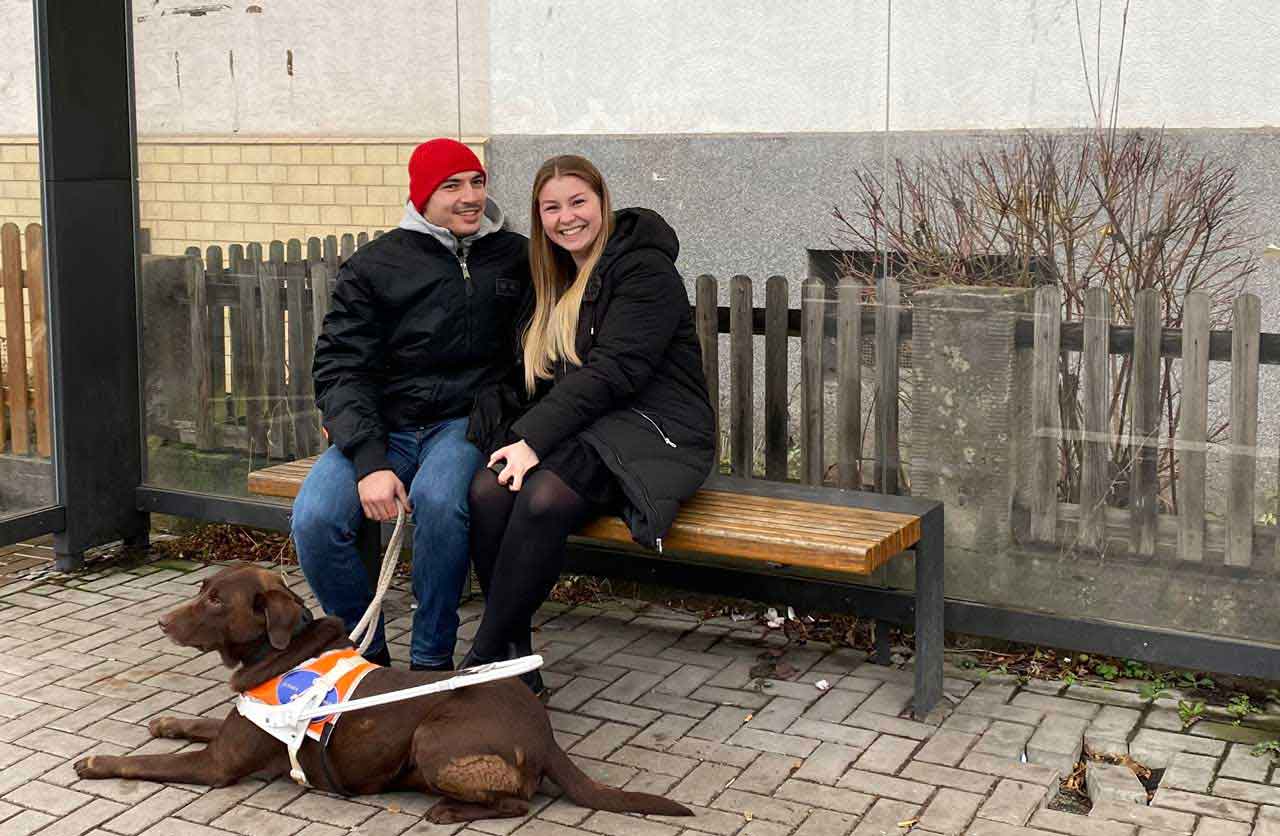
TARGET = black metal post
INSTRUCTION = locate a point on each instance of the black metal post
(930, 635)
(84, 52)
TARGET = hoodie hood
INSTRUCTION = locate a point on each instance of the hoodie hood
(638, 229)
(414, 221)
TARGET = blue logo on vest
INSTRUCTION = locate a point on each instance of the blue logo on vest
(295, 682)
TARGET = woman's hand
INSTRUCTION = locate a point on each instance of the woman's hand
(520, 459)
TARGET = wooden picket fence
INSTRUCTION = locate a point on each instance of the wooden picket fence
(24, 416)
(253, 324)
(1140, 529)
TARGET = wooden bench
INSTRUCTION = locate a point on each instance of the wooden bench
(771, 525)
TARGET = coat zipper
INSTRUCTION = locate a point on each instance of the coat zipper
(670, 443)
(466, 271)
(649, 512)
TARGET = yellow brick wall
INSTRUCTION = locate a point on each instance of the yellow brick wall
(200, 192)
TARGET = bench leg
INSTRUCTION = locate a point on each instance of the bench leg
(929, 608)
(880, 635)
(369, 542)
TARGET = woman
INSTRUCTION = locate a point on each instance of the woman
(619, 420)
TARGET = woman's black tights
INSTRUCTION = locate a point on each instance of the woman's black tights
(517, 547)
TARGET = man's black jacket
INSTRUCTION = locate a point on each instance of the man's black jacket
(409, 339)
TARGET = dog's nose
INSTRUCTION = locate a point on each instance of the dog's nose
(163, 621)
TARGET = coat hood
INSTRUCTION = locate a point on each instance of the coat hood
(639, 229)
(414, 221)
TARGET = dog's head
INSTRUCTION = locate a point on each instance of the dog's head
(233, 612)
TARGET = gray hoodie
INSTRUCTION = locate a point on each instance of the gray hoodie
(414, 221)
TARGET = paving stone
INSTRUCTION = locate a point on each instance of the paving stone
(1106, 696)
(766, 773)
(883, 817)
(1246, 791)
(631, 686)
(32, 766)
(873, 783)
(604, 822)
(950, 812)
(28, 821)
(1193, 773)
(1231, 733)
(1242, 764)
(613, 774)
(1168, 741)
(316, 807)
(217, 801)
(685, 681)
(1048, 687)
(828, 798)
(254, 821)
(834, 732)
(1005, 768)
(827, 763)
(705, 782)
(84, 819)
(646, 759)
(945, 776)
(1108, 733)
(887, 754)
(1204, 805)
(834, 705)
(889, 725)
(1221, 827)
(761, 806)
(1113, 782)
(709, 750)
(783, 744)
(151, 810)
(822, 823)
(1013, 802)
(777, 715)
(1075, 825)
(729, 696)
(890, 698)
(1268, 822)
(575, 693)
(946, 747)
(648, 664)
(720, 724)
(966, 723)
(1058, 742)
(1007, 740)
(675, 705)
(604, 740)
(663, 732)
(47, 798)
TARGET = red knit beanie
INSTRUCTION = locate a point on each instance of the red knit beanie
(434, 162)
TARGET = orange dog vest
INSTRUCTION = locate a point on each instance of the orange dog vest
(286, 687)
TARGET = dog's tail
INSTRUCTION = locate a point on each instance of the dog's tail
(588, 793)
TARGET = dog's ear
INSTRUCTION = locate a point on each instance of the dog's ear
(283, 612)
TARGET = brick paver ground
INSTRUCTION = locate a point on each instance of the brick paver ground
(645, 698)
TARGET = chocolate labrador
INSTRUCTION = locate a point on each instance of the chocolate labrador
(484, 748)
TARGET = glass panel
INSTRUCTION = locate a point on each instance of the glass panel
(273, 140)
(26, 439)
(1090, 164)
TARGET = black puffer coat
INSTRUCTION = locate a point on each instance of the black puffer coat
(640, 397)
(409, 339)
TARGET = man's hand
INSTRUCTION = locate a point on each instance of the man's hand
(379, 493)
(520, 459)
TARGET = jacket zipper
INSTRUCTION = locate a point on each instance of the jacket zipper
(670, 443)
(466, 271)
(649, 511)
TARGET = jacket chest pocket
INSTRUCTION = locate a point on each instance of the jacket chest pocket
(587, 328)
(507, 289)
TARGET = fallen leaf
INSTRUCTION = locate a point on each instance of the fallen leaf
(909, 823)
(748, 816)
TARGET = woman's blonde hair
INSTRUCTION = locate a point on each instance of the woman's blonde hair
(557, 283)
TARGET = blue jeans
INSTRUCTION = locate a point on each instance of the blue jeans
(436, 463)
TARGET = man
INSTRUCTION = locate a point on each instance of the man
(421, 318)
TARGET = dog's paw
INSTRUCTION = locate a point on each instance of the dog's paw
(161, 727)
(93, 766)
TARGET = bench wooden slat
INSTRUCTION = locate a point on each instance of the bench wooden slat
(755, 528)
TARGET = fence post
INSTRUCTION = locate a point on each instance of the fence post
(1095, 462)
(1144, 423)
(888, 456)
(1192, 425)
(16, 340)
(741, 371)
(1242, 460)
(969, 410)
(849, 373)
(1045, 414)
(776, 423)
(197, 292)
(708, 327)
(39, 338)
(813, 296)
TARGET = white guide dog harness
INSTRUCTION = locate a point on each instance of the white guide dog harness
(307, 700)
